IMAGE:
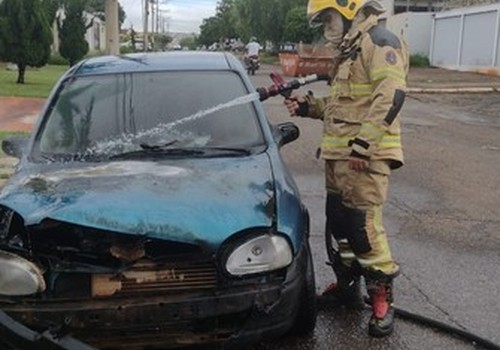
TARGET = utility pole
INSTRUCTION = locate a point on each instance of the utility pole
(157, 29)
(145, 26)
(153, 17)
(163, 20)
(112, 28)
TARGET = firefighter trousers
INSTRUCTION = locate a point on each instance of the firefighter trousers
(354, 208)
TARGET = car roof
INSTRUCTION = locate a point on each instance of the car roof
(151, 62)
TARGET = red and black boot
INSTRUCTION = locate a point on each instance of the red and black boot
(382, 320)
(346, 292)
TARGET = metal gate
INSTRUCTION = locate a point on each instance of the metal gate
(467, 39)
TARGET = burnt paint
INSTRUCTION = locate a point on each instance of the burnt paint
(186, 200)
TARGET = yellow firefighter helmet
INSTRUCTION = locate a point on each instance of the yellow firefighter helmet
(347, 8)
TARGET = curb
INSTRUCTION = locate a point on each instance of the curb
(452, 90)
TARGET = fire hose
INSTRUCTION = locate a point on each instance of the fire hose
(284, 88)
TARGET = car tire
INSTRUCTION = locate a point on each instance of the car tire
(305, 321)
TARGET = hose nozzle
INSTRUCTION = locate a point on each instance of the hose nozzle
(284, 88)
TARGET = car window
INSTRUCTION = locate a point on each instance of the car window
(112, 114)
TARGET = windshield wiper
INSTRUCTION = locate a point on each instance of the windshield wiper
(47, 157)
(244, 151)
(146, 146)
(159, 152)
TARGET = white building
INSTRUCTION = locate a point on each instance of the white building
(95, 35)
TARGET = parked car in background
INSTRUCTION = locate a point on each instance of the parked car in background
(146, 210)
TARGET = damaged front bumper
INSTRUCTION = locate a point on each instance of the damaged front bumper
(18, 336)
(224, 318)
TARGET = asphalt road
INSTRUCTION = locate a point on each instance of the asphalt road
(442, 218)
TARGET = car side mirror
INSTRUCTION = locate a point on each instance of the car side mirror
(286, 133)
(14, 146)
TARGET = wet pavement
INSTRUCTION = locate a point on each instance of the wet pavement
(440, 218)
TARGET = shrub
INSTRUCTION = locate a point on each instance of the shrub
(269, 58)
(58, 60)
(126, 49)
(94, 53)
(419, 60)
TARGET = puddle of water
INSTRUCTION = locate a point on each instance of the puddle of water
(127, 142)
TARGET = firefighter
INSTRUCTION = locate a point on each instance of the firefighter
(361, 145)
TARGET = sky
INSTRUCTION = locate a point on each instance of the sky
(184, 16)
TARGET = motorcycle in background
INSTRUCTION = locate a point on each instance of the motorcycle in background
(252, 64)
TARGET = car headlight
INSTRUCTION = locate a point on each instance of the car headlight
(19, 276)
(260, 254)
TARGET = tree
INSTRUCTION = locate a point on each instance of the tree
(72, 31)
(161, 41)
(133, 38)
(50, 7)
(297, 28)
(209, 31)
(227, 20)
(98, 8)
(264, 19)
(189, 42)
(25, 35)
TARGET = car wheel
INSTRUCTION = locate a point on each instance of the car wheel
(305, 320)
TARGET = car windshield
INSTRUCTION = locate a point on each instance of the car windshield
(105, 116)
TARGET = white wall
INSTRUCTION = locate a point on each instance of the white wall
(389, 6)
(415, 28)
(96, 34)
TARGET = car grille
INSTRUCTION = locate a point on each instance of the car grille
(148, 277)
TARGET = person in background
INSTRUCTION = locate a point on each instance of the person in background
(253, 48)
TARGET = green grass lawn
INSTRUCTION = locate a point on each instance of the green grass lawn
(6, 134)
(38, 81)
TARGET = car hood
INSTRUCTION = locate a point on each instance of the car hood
(202, 200)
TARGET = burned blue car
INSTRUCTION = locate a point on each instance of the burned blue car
(151, 208)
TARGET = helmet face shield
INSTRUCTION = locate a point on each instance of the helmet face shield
(317, 20)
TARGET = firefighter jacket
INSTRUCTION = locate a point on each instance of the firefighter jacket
(361, 114)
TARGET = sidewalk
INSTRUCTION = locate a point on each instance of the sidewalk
(18, 113)
(438, 80)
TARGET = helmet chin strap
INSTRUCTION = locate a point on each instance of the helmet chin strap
(356, 21)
